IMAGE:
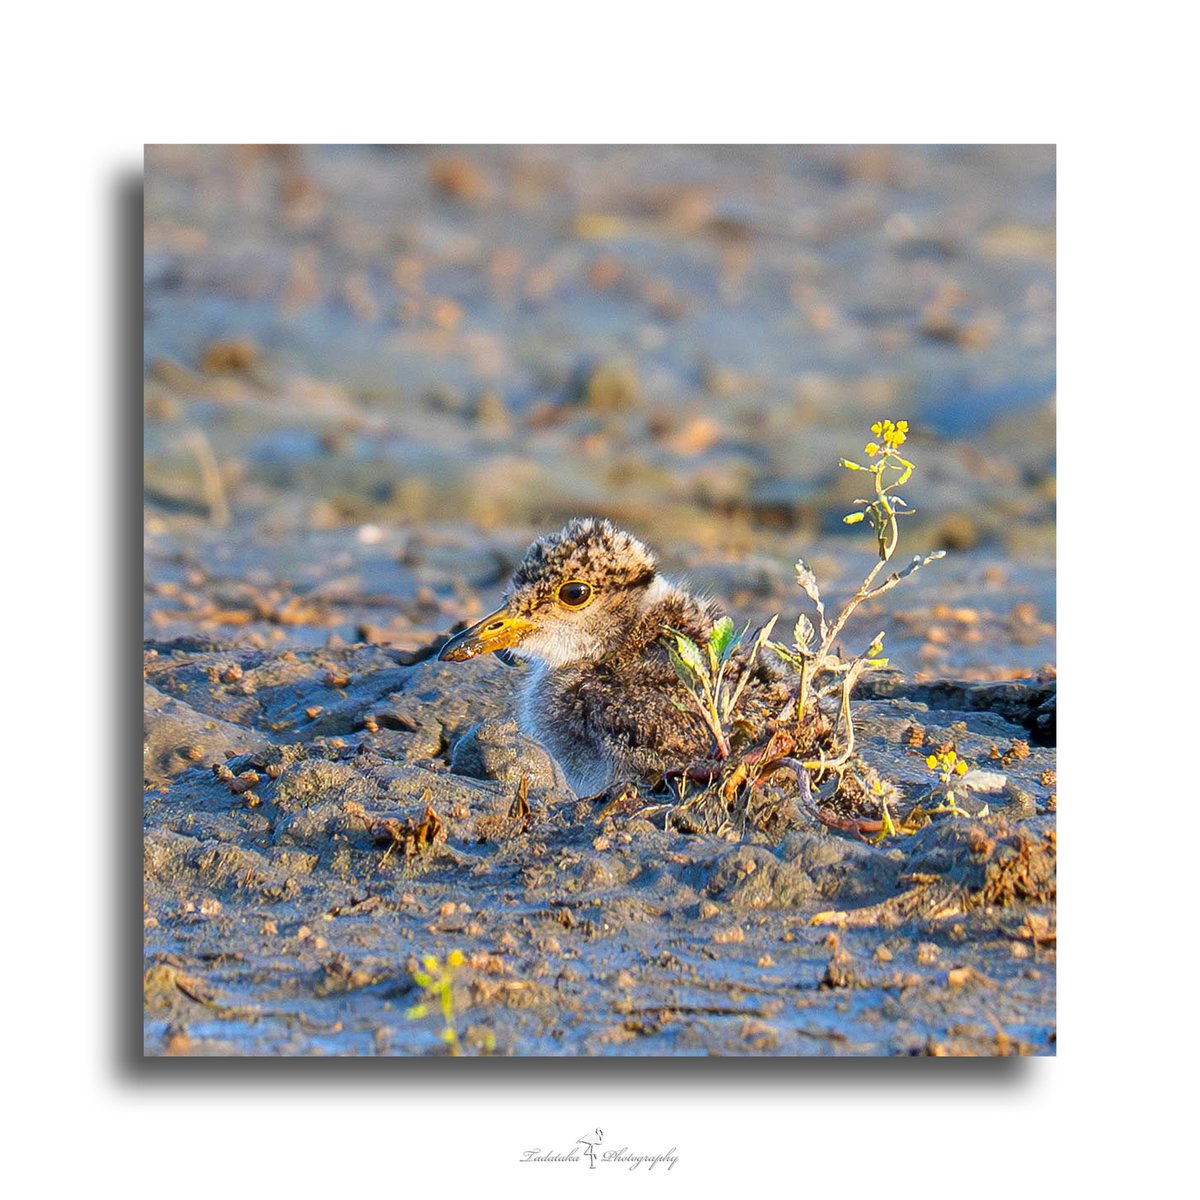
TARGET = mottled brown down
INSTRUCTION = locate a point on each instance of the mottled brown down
(601, 694)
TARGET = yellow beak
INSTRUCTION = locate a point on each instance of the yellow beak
(497, 631)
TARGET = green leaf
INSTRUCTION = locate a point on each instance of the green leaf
(682, 669)
(417, 1011)
(735, 642)
(852, 518)
(850, 466)
(722, 631)
(690, 653)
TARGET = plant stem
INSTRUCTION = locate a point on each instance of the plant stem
(802, 703)
(864, 590)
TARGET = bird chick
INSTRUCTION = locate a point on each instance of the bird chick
(588, 609)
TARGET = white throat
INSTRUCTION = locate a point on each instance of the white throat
(559, 647)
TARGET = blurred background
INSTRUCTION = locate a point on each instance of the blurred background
(374, 373)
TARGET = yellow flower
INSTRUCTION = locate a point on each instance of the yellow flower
(429, 963)
(902, 426)
(872, 448)
(931, 762)
(455, 958)
(877, 428)
(962, 768)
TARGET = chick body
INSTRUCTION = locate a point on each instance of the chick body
(601, 693)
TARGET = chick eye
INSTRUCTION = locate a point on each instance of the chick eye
(575, 593)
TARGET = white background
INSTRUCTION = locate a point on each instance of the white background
(85, 87)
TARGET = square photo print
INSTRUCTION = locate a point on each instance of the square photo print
(599, 600)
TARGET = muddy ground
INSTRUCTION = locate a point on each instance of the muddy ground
(372, 375)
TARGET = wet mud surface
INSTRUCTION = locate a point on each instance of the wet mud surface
(318, 821)
(372, 376)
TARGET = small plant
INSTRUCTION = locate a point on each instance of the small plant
(814, 650)
(437, 979)
(806, 736)
(949, 769)
(705, 674)
(887, 504)
(881, 794)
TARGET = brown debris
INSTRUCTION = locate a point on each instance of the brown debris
(520, 805)
(1024, 872)
(409, 836)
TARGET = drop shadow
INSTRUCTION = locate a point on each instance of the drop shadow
(125, 555)
(511, 1076)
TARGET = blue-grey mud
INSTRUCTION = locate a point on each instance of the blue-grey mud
(373, 374)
